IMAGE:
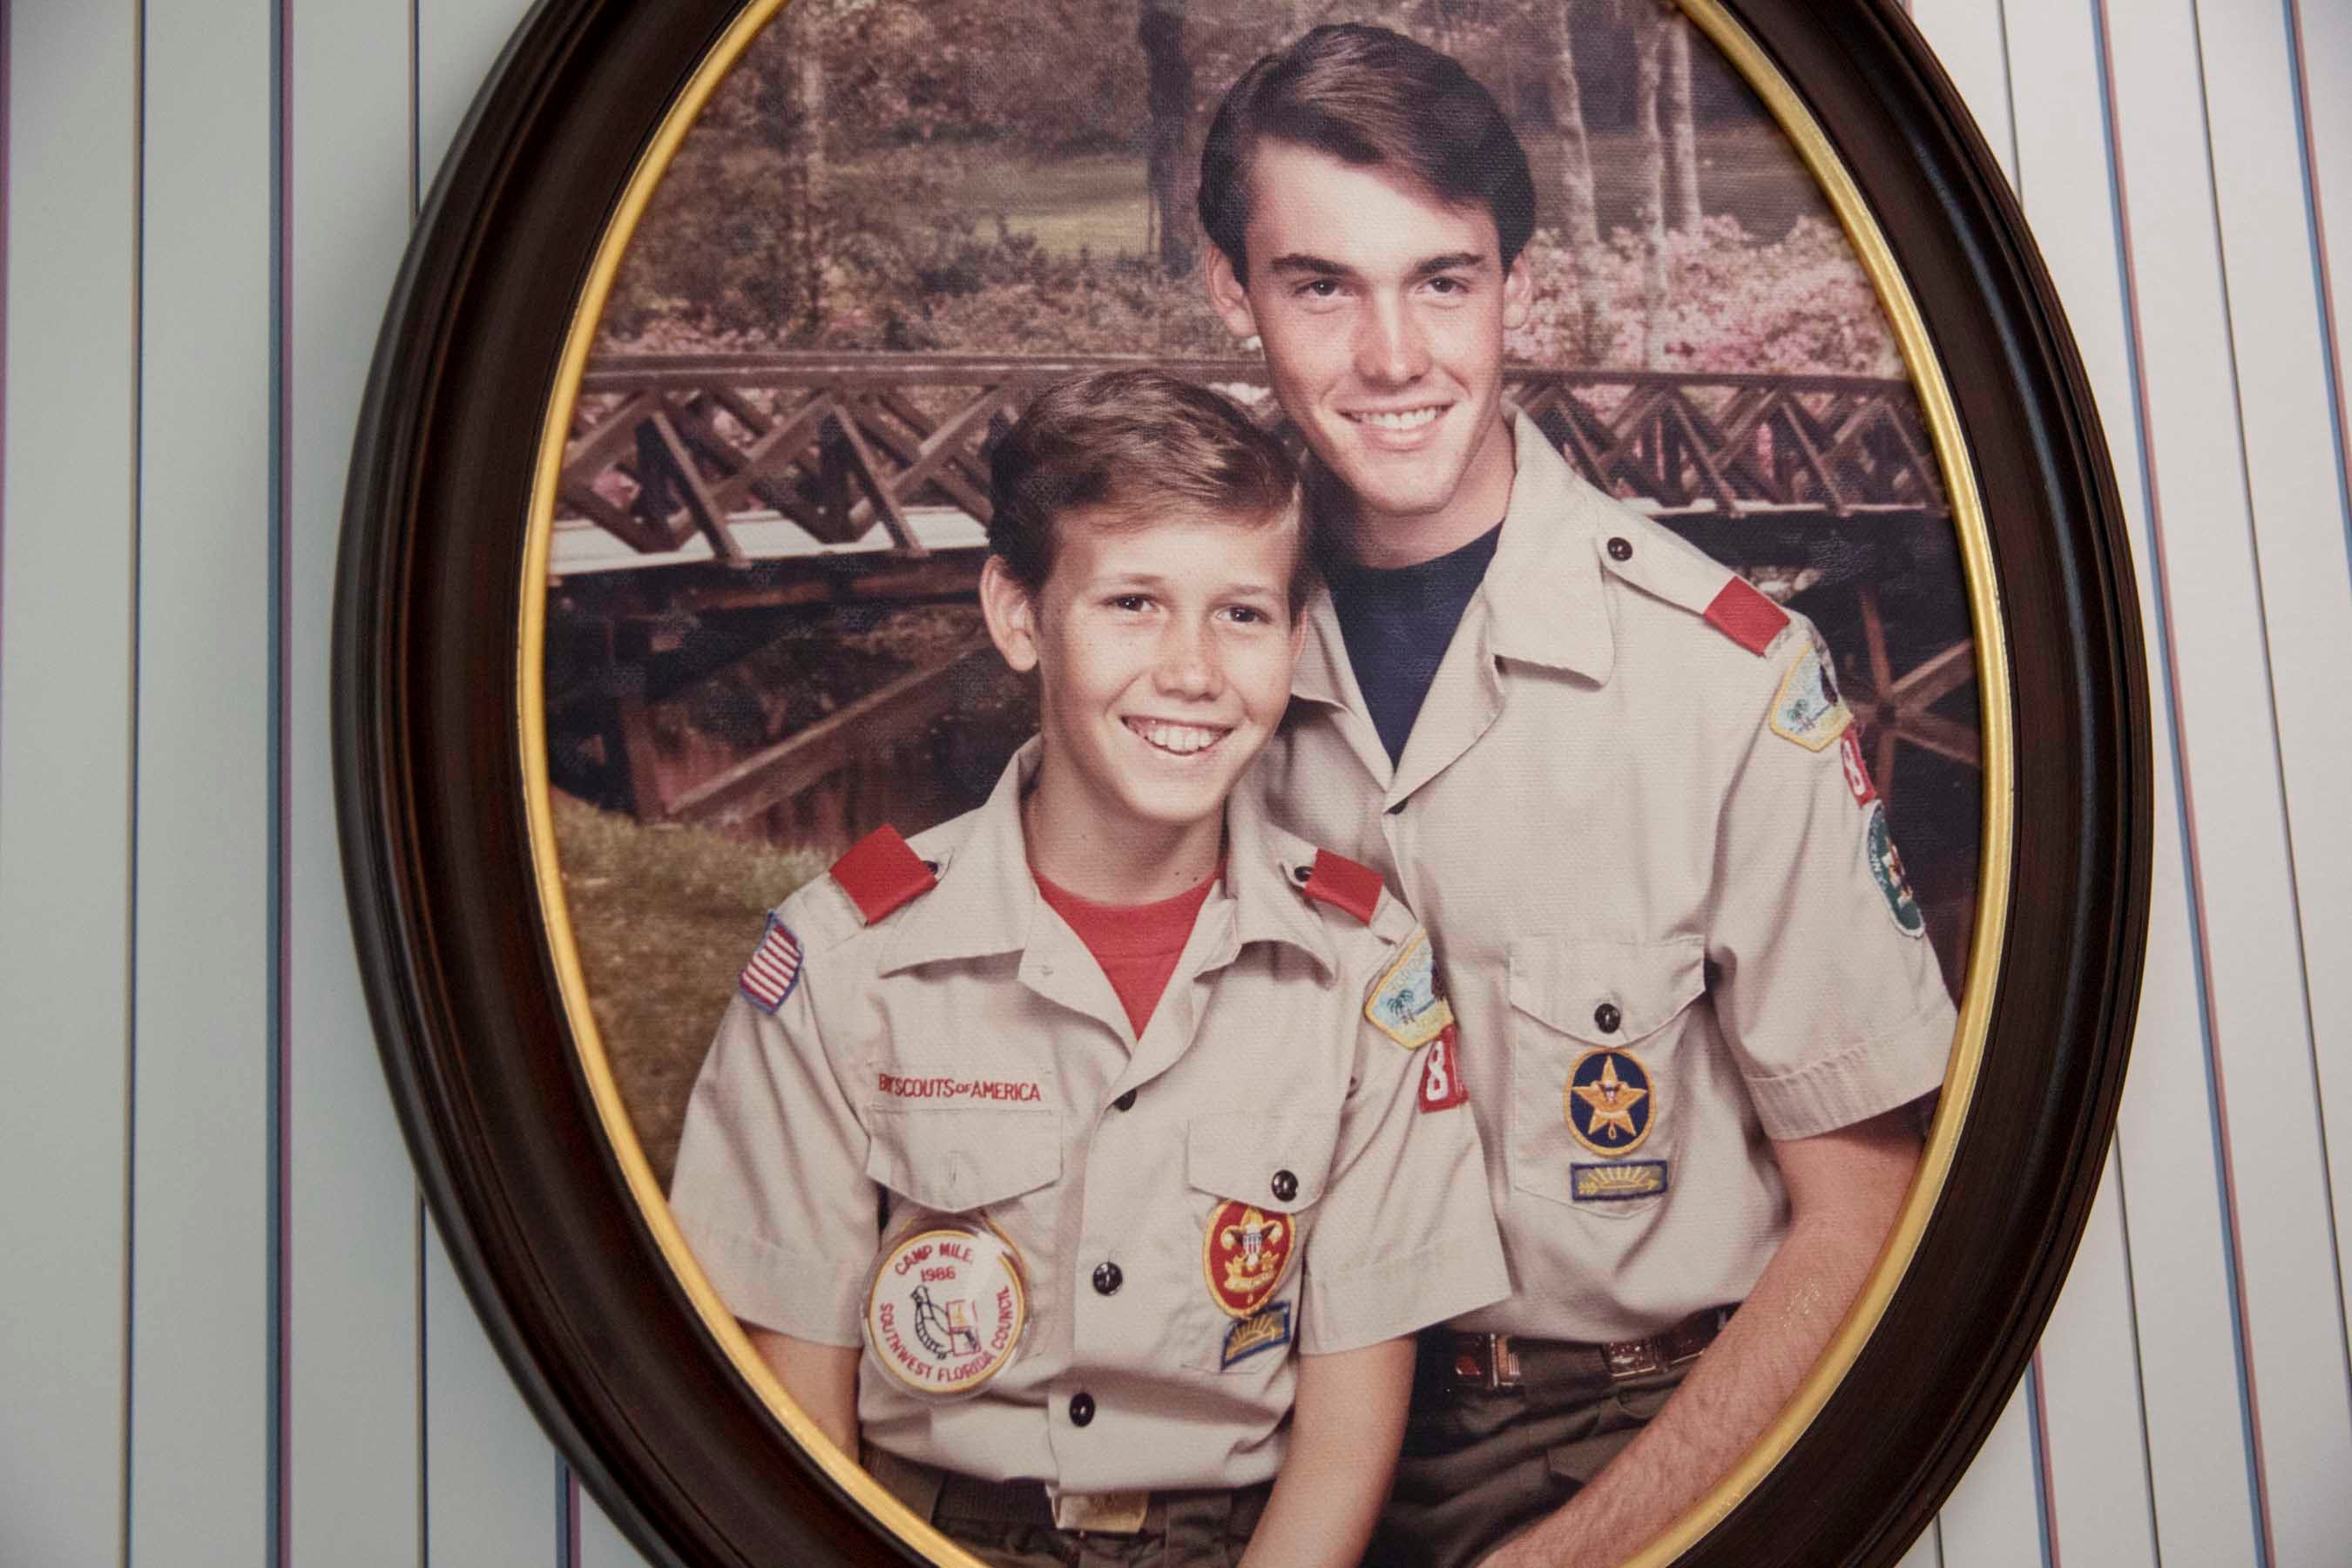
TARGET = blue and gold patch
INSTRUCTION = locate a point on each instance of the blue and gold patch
(1610, 1104)
(1405, 1005)
(1886, 867)
(1807, 708)
(1616, 1183)
(1261, 1331)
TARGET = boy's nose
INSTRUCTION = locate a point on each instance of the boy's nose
(1188, 666)
(1390, 348)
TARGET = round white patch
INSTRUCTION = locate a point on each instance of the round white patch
(946, 1308)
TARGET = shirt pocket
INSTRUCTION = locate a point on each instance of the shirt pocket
(1596, 1039)
(956, 1160)
(1251, 1183)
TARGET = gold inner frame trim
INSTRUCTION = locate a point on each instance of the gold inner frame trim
(1813, 147)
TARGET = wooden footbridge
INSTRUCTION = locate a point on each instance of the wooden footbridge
(702, 483)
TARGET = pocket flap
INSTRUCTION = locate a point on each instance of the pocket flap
(958, 1159)
(1575, 985)
(1260, 1159)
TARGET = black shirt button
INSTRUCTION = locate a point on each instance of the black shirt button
(1286, 1186)
(1606, 1017)
(1107, 1278)
(1621, 550)
(1125, 1102)
(1082, 1409)
(1301, 873)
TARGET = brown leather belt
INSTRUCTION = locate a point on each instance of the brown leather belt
(1455, 1362)
(942, 1495)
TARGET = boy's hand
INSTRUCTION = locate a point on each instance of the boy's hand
(1346, 1426)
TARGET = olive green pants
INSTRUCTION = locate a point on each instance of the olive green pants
(1477, 1468)
(1190, 1529)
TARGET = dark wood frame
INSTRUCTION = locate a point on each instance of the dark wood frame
(552, 1246)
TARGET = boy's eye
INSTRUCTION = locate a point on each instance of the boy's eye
(1449, 285)
(1320, 289)
(1129, 602)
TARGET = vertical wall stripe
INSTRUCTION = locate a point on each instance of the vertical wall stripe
(8, 117)
(2169, 704)
(2270, 684)
(2330, 338)
(2046, 1489)
(281, 951)
(135, 476)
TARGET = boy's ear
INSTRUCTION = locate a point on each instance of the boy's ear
(1518, 291)
(1227, 296)
(1011, 613)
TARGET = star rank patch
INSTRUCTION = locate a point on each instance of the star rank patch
(1886, 867)
(1405, 1005)
(1807, 708)
(1441, 1088)
(1262, 1331)
(774, 969)
(1610, 1105)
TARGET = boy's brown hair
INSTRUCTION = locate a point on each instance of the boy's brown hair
(1130, 447)
(1368, 96)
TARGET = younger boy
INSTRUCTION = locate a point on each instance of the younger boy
(1157, 1104)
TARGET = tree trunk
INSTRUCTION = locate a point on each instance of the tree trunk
(1580, 208)
(1172, 172)
(1682, 129)
(804, 164)
(1648, 45)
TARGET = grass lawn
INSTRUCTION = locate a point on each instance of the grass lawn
(665, 917)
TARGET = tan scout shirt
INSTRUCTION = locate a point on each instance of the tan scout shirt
(1638, 890)
(966, 1055)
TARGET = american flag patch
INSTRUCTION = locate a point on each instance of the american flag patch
(774, 969)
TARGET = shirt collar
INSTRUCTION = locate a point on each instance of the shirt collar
(1542, 590)
(987, 900)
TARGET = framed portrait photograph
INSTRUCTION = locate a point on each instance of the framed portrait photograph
(1135, 774)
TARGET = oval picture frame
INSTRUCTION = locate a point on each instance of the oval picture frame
(551, 1214)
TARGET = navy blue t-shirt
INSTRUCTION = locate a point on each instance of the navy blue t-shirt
(1397, 621)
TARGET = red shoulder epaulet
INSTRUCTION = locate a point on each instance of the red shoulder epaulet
(1746, 616)
(1343, 884)
(880, 872)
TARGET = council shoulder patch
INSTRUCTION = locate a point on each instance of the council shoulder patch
(1807, 708)
(1610, 1104)
(946, 1309)
(774, 969)
(1264, 1329)
(1245, 1255)
(1886, 868)
(1404, 1004)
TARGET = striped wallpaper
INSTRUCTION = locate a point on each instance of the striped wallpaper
(228, 1333)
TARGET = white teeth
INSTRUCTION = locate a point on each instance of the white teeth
(1405, 419)
(1179, 738)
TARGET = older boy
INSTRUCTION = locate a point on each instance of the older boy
(1157, 1102)
(1620, 788)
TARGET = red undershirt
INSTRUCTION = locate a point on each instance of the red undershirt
(1136, 944)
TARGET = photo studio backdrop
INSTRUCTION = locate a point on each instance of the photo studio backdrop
(228, 1334)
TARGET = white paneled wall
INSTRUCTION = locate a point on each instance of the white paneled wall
(229, 1336)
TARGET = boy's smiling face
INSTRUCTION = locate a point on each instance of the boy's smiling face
(1383, 310)
(1164, 653)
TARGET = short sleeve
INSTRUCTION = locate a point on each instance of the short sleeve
(1405, 1235)
(769, 1190)
(1828, 991)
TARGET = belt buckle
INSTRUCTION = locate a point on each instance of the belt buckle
(1634, 1358)
(1107, 1513)
(1492, 1366)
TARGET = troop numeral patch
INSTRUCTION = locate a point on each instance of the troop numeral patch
(1441, 1088)
(1857, 773)
(1614, 1183)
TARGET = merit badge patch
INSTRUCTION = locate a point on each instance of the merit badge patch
(1616, 1184)
(1887, 867)
(1441, 1088)
(1610, 1105)
(1857, 773)
(946, 1309)
(1244, 1256)
(1808, 709)
(1405, 1005)
(774, 969)
(1261, 1331)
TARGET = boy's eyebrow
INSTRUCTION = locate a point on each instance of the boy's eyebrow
(1305, 263)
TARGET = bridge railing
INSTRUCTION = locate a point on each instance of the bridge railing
(668, 446)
